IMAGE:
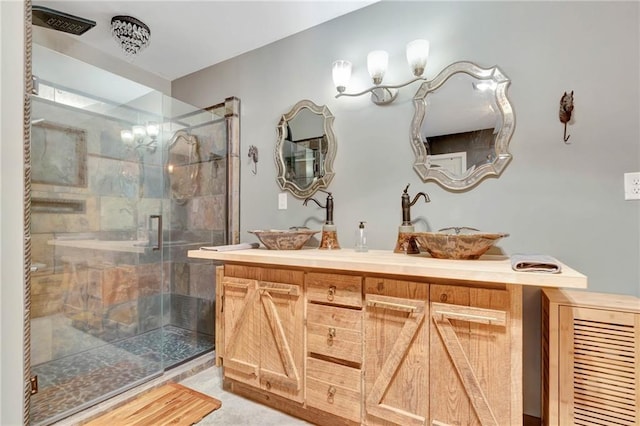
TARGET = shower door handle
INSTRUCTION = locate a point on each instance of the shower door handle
(158, 245)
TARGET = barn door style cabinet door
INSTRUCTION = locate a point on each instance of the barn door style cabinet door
(472, 347)
(264, 335)
(396, 352)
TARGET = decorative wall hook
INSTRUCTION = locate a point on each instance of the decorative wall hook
(566, 108)
(253, 154)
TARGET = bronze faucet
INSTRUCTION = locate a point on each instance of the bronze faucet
(328, 206)
(406, 242)
(329, 230)
(406, 205)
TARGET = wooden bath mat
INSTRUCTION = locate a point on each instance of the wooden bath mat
(169, 404)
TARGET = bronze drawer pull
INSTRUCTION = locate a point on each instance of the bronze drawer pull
(331, 336)
(331, 293)
(331, 392)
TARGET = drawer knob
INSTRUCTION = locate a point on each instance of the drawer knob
(331, 393)
(443, 297)
(331, 335)
(331, 293)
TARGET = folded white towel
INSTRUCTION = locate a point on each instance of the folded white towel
(241, 246)
(535, 263)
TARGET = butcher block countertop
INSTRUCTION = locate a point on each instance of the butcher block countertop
(487, 269)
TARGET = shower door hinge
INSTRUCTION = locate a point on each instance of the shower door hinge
(34, 385)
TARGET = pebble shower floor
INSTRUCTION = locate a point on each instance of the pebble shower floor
(75, 382)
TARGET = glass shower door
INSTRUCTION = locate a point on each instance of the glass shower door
(125, 181)
(98, 280)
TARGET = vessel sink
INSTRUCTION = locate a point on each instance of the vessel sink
(291, 239)
(457, 242)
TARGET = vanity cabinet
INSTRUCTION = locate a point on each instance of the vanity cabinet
(264, 334)
(376, 338)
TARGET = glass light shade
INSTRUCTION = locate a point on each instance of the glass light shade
(341, 74)
(139, 132)
(126, 136)
(377, 62)
(153, 129)
(417, 54)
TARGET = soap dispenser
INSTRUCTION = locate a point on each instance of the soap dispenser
(361, 238)
(329, 239)
(406, 243)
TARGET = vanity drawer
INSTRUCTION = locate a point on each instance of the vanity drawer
(335, 332)
(334, 288)
(334, 388)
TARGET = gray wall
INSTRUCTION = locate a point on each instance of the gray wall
(554, 198)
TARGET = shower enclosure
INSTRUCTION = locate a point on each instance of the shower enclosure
(124, 180)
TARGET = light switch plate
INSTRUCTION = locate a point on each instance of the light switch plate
(282, 201)
(632, 186)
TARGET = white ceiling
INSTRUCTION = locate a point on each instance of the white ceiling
(187, 36)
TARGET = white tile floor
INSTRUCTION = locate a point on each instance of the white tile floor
(235, 410)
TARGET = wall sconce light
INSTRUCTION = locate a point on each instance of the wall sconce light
(377, 63)
(137, 134)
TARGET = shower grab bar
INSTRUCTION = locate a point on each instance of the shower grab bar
(158, 245)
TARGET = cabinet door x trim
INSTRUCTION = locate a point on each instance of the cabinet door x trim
(291, 377)
(415, 317)
(442, 314)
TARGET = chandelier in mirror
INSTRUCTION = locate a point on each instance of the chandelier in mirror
(137, 136)
(131, 33)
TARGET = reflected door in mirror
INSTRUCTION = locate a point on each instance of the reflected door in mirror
(462, 125)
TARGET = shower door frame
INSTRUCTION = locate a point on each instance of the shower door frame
(232, 119)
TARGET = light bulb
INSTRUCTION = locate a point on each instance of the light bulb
(377, 62)
(139, 132)
(126, 136)
(417, 54)
(341, 74)
(153, 129)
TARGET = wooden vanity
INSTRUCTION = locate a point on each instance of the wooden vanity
(339, 337)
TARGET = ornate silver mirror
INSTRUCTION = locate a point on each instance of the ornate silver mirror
(462, 126)
(183, 166)
(305, 149)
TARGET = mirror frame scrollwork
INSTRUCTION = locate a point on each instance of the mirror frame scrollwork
(183, 194)
(502, 139)
(322, 182)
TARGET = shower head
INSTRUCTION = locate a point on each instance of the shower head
(60, 21)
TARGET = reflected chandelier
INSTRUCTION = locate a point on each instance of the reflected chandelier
(131, 33)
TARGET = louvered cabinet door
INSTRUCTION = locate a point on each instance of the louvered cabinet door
(599, 353)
